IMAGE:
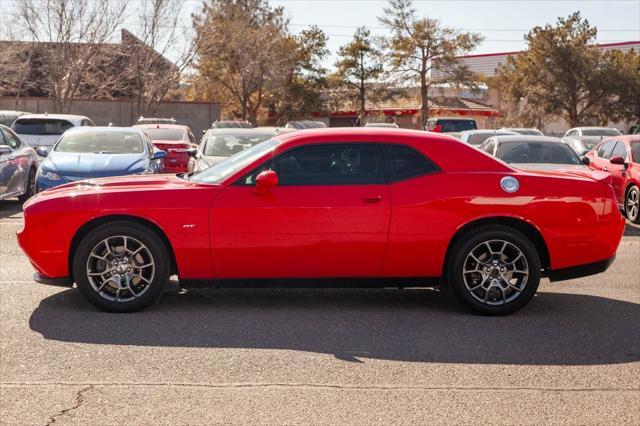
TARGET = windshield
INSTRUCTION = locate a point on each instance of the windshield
(218, 172)
(225, 145)
(600, 132)
(100, 142)
(41, 126)
(165, 134)
(537, 152)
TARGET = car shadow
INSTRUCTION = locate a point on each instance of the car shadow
(10, 208)
(353, 324)
(631, 230)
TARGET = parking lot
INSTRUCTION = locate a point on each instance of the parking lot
(319, 356)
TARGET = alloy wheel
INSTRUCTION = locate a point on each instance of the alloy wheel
(633, 204)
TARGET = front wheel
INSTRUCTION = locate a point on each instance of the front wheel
(632, 204)
(30, 189)
(494, 270)
(121, 267)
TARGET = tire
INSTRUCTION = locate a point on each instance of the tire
(31, 187)
(121, 281)
(632, 204)
(477, 273)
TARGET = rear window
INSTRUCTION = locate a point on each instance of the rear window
(448, 125)
(165, 134)
(405, 162)
(41, 126)
(600, 132)
(100, 142)
(537, 152)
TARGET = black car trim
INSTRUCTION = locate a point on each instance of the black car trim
(58, 282)
(580, 270)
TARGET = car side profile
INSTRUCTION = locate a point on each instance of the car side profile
(18, 166)
(354, 207)
(620, 156)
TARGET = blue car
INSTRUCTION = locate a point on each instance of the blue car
(95, 152)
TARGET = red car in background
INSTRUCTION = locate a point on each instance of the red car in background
(350, 207)
(620, 156)
(175, 140)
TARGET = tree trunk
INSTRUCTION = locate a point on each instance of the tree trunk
(424, 101)
(363, 106)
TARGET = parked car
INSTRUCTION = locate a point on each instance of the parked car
(305, 124)
(451, 125)
(155, 120)
(93, 152)
(523, 131)
(620, 156)
(175, 140)
(534, 153)
(583, 139)
(232, 124)
(44, 130)
(387, 125)
(18, 165)
(219, 144)
(476, 137)
(8, 117)
(383, 207)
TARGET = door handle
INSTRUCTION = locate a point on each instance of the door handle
(373, 199)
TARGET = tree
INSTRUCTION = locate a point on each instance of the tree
(422, 51)
(563, 74)
(359, 66)
(73, 33)
(149, 74)
(242, 52)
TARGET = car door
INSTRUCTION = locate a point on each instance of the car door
(13, 165)
(328, 217)
(618, 171)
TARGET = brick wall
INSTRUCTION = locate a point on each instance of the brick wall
(197, 115)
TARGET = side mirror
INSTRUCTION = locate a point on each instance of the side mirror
(264, 181)
(4, 149)
(42, 151)
(585, 160)
(192, 152)
(158, 155)
(617, 160)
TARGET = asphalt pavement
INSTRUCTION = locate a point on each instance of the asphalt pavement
(321, 356)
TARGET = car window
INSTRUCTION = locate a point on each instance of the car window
(604, 150)
(489, 147)
(572, 133)
(325, 164)
(41, 126)
(635, 152)
(165, 134)
(456, 125)
(11, 140)
(404, 162)
(2, 139)
(620, 150)
(600, 132)
(537, 152)
(192, 138)
(100, 142)
(224, 145)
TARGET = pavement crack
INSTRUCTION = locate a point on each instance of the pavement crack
(80, 398)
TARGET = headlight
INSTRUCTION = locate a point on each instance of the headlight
(50, 175)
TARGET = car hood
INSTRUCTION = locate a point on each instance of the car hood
(94, 165)
(40, 140)
(207, 161)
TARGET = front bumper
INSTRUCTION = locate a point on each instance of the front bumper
(581, 270)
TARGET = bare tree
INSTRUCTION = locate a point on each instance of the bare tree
(150, 73)
(73, 33)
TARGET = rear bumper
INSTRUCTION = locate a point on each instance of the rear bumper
(581, 270)
(58, 282)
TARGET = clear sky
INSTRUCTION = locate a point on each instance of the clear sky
(502, 22)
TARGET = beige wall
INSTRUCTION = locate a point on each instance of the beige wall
(197, 115)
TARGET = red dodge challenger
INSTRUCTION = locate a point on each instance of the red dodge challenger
(373, 207)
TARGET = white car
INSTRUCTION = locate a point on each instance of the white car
(583, 139)
(44, 130)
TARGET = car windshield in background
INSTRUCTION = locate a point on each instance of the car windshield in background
(41, 126)
(218, 172)
(537, 152)
(635, 151)
(165, 134)
(221, 145)
(100, 142)
(600, 132)
(456, 125)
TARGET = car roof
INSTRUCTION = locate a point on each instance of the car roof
(113, 129)
(69, 117)
(161, 126)
(594, 128)
(486, 132)
(526, 138)
(241, 131)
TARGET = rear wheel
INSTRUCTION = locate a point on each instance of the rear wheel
(30, 190)
(494, 270)
(121, 267)
(632, 204)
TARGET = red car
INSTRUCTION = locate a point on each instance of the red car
(372, 206)
(620, 156)
(175, 140)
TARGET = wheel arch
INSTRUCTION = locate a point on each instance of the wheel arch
(96, 222)
(524, 227)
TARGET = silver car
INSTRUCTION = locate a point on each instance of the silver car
(477, 137)
(44, 130)
(583, 139)
(18, 166)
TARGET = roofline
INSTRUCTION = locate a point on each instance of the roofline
(515, 52)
